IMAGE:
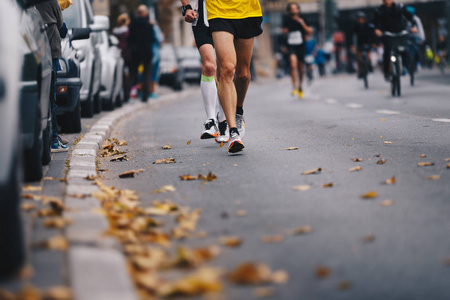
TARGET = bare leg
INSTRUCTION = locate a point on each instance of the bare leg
(293, 62)
(301, 72)
(226, 58)
(244, 47)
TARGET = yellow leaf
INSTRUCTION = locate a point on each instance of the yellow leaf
(251, 273)
(387, 142)
(344, 285)
(291, 148)
(221, 144)
(433, 177)
(357, 159)
(425, 164)
(423, 155)
(230, 241)
(188, 143)
(169, 160)
(167, 147)
(370, 195)
(165, 189)
(31, 188)
(301, 230)
(280, 277)
(272, 238)
(55, 243)
(390, 181)
(354, 169)
(387, 203)
(381, 161)
(28, 206)
(241, 213)
(130, 173)
(57, 222)
(301, 188)
(328, 185)
(315, 171)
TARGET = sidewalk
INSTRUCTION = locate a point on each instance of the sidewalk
(64, 238)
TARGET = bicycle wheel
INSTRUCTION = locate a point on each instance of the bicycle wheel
(398, 69)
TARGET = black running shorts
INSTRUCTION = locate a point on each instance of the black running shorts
(241, 28)
(201, 34)
(299, 51)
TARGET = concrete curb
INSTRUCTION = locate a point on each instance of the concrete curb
(97, 267)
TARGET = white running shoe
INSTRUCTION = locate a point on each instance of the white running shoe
(223, 137)
(236, 144)
(210, 131)
(240, 124)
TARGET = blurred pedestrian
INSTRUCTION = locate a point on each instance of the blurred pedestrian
(296, 30)
(363, 38)
(156, 49)
(215, 126)
(56, 29)
(122, 33)
(321, 59)
(140, 40)
(338, 39)
(234, 24)
(310, 50)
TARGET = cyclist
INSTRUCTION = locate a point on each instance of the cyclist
(363, 38)
(391, 17)
(296, 30)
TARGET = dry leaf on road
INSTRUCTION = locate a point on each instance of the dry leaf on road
(423, 155)
(370, 195)
(315, 171)
(357, 159)
(28, 206)
(301, 188)
(58, 293)
(169, 160)
(55, 243)
(368, 238)
(230, 241)
(31, 188)
(167, 147)
(387, 142)
(188, 143)
(301, 230)
(328, 185)
(57, 222)
(381, 161)
(386, 203)
(264, 292)
(241, 213)
(322, 272)
(130, 173)
(354, 169)
(251, 273)
(433, 177)
(165, 189)
(272, 238)
(344, 285)
(119, 158)
(448, 166)
(425, 164)
(389, 181)
(291, 148)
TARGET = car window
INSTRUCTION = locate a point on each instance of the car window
(72, 16)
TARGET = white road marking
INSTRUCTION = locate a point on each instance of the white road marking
(353, 105)
(387, 112)
(331, 101)
(442, 120)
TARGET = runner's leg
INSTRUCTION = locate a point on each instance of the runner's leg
(244, 47)
(208, 84)
(293, 62)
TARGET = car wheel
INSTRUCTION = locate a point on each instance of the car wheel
(97, 103)
(71, 121)
(119, 99)
(47, 142)
(33, 156)
(108, 104)
(12, 250)
(87, 107)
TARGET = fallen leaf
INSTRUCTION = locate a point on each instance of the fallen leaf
(91, 177)
(241, 213)
(130, 173)
(370, 195)
(187, 220)
(328, 185)
(55, 243)
(202, 281)
(301, 188)
(357, 159)
(56, 204)
(167, 147)
(57, 222)
(433, 177)
(377, 155)
(120, 158)
(221, 144)
(425, 164)
(49, 178)
(386, 203)
(315, 171)
(354, 169)
(264, 292)
(344, 285)
(387, 142)
(28, 206)
(58, 293)
(209, 177)
(381, 161)
(165, 189)
(389, 181)
(368, 238)
(291, 148)
(169, 160)
(423, 155)
(28, 292)
(251, 273)
(301, 230)
(230, 241)
(446, 261)
(448, 166)
(31, 188)
(188, 143)
(272, 238)
(190, 258)
(322, 272)
(78, 196)
(280, 277)
(31, 196)
(447, 159)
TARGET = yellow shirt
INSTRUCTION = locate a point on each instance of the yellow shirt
(233, 9)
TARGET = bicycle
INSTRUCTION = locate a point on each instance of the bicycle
(396, 41)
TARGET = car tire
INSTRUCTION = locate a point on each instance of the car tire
(108, 104)
(87, 107)
(12, 250)
(47, 142)
(177, 83)
(119, 99)
(97, 103)
(71, 121)
(33, 156)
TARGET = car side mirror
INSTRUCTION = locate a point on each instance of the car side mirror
(80, 34)
(101, 23)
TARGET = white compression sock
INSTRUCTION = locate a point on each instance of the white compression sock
(209, 93)
(221, 115)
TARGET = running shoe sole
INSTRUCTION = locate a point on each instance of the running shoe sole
(224, 141)
(206, 136)
(235, 147)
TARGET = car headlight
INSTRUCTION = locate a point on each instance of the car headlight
(63, 67)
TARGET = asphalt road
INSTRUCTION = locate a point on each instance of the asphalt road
(338, 120)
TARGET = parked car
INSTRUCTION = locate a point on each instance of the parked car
(171, 73)
(11, 251)
(111, 93)
(69, 83)
(35, 91)
(191, 63)
(80, 15)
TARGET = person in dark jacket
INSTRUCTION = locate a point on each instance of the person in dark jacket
(52, 16)
(363, 38)
(140, 40)
(122, 32)
(391, 17)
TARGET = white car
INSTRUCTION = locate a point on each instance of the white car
(11, 250)
(111, 92)
(80, 15)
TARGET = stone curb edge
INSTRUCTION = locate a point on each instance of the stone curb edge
(97, 267)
